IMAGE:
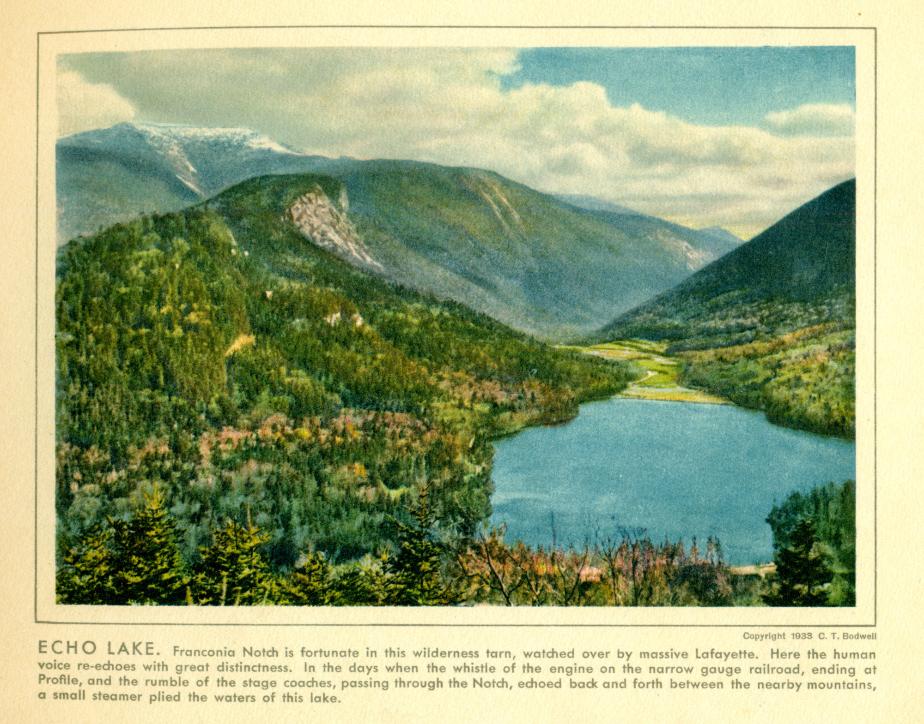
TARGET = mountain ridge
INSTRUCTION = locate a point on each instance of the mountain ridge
(220, 356)
(531, 260)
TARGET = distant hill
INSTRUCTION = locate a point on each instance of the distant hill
(806, 259)
(523, 257)
(528, 259)
(770, 325)
(592, 203)
(722, 235)
(714, 240)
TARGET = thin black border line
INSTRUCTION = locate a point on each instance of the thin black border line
(38, 55)
(847, 28)
(189, 28)
(875, 323)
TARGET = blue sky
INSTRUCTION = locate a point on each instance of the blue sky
(733, 137)
(714, 86)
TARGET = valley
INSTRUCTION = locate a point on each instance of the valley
(771, 325)
(658, 375)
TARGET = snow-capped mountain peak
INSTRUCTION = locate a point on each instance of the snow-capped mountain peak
(184, 163)
(245, 137)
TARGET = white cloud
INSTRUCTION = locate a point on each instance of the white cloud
(83, 106)
(449, 106)
(813, 119)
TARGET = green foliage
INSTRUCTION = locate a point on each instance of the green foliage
(310, 583)
(413, 575)
(232, 571)
(134, 561)
(360, 584)
(802, 265)
(218, 356)
(425, 571)
(147, 566)
(771, 324)
(145, 311)
(803, 379)
(830, 513)
(801, 572)
(219, 359)
(85, 573)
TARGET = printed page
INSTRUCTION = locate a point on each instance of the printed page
(468, 365)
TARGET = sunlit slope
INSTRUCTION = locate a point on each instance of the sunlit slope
(800, 271)
(526, 258)
(220, 356)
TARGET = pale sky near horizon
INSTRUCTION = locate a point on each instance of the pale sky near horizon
(732, 137)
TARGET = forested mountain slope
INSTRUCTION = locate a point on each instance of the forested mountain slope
(771, 325)
(221, 358)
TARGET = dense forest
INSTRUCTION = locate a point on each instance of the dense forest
(802, 379)
(224, 383)
(244, 418)
(138, 560)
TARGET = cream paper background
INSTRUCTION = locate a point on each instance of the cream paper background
(888, 137)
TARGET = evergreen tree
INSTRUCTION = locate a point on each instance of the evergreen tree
(414, 574)
(310, 583)
(286, 383)
(233, 571)
(147, 566)
(360, 584)
(800, 570)
(86, 573)
(832, 509)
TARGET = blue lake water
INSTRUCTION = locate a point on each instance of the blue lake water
(675, 469)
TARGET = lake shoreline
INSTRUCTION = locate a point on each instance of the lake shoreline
(624, 464)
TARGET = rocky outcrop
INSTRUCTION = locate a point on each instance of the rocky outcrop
(328, 227)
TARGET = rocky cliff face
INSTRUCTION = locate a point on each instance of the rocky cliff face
(328, 226)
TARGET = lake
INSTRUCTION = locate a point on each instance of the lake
(675, 469)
